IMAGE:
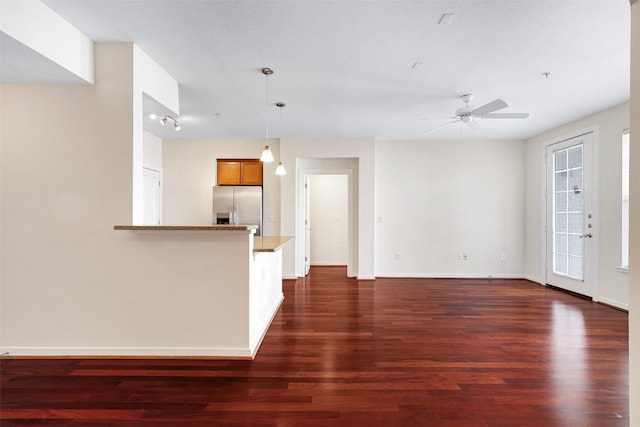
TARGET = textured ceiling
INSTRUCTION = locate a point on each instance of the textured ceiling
(345, 68)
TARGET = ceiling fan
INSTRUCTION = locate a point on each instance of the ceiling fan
(468, 113)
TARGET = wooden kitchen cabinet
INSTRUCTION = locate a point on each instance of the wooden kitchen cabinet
(239, 172)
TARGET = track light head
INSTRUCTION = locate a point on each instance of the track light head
(164, 119)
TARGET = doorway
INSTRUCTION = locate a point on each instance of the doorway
(328, 214)
(318, 167)
(152, 197)
(571, 246)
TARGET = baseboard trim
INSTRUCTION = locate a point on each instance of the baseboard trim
(127, 352)
(533, 279)
(450, 276)
(329, 264)
(123, 357)
(614, 304)
(274, 311)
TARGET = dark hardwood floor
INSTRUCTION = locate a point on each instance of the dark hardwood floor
(408, 352)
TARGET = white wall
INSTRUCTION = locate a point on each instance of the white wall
(148, 79)
(70, 284)
(634, 254)
(436, 200)
(189, 173)
(360, 150)
(152, 151)
(329, 219)
(65, 183)
(611, 283)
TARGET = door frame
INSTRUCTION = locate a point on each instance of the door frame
(161, 189)
(545, 196)
(301, 209)
(307, 224)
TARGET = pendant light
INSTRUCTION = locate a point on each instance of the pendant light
(267, 156)
(280, 169)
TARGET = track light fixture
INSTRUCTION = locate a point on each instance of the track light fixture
(176, 125)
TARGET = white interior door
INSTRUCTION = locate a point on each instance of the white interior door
(152, 206)
(329, 219)
(307, 225)
(570, 220)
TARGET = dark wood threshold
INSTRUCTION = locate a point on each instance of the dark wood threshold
(575, 294)
(585, 297)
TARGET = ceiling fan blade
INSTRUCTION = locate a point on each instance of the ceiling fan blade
(505, 116)
(441, 126)
(437, 118)
(496, 105)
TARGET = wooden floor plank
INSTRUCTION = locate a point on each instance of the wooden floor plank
(390, 352)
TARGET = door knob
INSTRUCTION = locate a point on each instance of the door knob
(589, 235)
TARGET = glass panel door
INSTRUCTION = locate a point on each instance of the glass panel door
(570, 222)
(568, 212)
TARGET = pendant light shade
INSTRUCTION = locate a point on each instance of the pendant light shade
(280, 169)
(267, 155)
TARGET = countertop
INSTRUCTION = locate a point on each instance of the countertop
(214, 227)
(269, 243)
(260, 243)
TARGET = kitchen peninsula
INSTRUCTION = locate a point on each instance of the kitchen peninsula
(219, 287)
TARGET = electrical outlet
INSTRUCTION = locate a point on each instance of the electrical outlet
(503, 257)
(397, 256)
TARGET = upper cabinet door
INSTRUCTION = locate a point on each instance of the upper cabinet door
(239, 172)
(228, 172)
(251, 173)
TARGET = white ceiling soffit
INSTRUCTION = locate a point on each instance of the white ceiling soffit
(346, 68)
(21, 64)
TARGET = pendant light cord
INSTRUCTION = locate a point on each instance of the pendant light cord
(266, 108)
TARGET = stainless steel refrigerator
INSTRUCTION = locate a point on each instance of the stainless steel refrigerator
(238, 205)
